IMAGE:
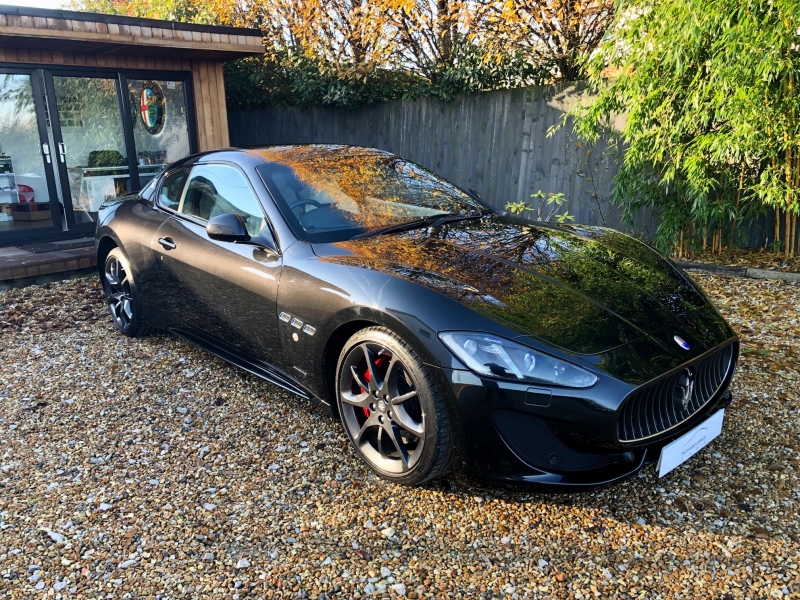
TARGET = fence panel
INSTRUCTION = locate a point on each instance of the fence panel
(495, 142)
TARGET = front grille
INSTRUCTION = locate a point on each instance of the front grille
(661, 405)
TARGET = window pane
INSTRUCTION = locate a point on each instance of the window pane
(160, 124)
(170, 196)
(91, 127)
(221, 189)
(24, 198)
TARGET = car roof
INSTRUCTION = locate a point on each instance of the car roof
(279, 154)
(309, 151)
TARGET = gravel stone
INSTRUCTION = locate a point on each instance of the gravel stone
(289, 508)
(55, 536)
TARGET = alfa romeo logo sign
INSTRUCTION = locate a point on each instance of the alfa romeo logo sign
(152, 107)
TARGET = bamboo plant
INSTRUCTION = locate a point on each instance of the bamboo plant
(712, 138)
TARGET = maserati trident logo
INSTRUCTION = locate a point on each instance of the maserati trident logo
(684, 388)
(681, 342)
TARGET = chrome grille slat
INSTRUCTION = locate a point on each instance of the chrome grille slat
(663, 420)
(651, 410)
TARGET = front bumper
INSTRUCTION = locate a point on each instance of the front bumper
(507, 434)
(570, 438)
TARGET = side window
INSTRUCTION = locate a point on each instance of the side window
(221, 189)
(170, 195)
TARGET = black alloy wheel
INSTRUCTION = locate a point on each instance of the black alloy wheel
(391, 408)
(122, 296)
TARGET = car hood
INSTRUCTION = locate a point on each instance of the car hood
(583, 289)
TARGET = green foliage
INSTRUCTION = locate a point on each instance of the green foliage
(711, 134)
(289, 77)
(553, 200)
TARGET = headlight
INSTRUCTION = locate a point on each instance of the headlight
(498, 357)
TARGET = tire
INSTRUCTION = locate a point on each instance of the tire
(121, 295)
(393, 412)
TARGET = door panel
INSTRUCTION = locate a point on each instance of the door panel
(90, 148)
(28, 199)
(224, 290)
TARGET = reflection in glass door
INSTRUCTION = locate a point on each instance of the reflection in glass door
(91, 151)
(25, 198)
(160, 124)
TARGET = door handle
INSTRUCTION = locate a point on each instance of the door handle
(62, 151)
(167, 243)
(46, 152)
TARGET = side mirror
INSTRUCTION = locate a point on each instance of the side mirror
(227, 228)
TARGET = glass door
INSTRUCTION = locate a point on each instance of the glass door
(29, 206)
(161, 124)
(89, 138)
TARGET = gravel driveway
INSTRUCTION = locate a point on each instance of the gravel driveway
(147, 468)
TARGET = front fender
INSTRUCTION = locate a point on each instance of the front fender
(131, 225)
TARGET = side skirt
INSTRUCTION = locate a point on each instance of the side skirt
(251, 365)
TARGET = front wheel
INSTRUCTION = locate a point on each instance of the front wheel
(391, 408)
(121, 295)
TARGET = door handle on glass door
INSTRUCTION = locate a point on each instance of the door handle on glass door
(46, 152)
(167, 243)
(62, 151)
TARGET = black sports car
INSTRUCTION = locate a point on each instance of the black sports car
(442, 334)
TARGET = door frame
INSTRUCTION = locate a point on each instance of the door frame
(42, 83)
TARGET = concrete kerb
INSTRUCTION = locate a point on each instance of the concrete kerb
(750, 272)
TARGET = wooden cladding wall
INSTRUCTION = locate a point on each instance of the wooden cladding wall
(207, 81)
(114, 61)
(209, 95)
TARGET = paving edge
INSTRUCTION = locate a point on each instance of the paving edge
(750, 272)
(22, 282)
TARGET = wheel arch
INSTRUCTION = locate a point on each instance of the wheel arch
(104, 246)
(348, 324)
(330, 355)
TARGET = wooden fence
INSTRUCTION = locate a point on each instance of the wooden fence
(499, 143)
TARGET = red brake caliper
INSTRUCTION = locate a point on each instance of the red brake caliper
(378, 363)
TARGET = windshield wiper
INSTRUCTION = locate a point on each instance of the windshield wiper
(432, 221)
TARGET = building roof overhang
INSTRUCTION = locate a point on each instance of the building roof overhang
(32, 29)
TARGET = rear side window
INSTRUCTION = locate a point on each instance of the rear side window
(171, 189)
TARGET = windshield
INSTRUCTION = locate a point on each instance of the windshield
(332, 193)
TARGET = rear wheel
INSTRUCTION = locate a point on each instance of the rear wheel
(121, 295)
(391, 408)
